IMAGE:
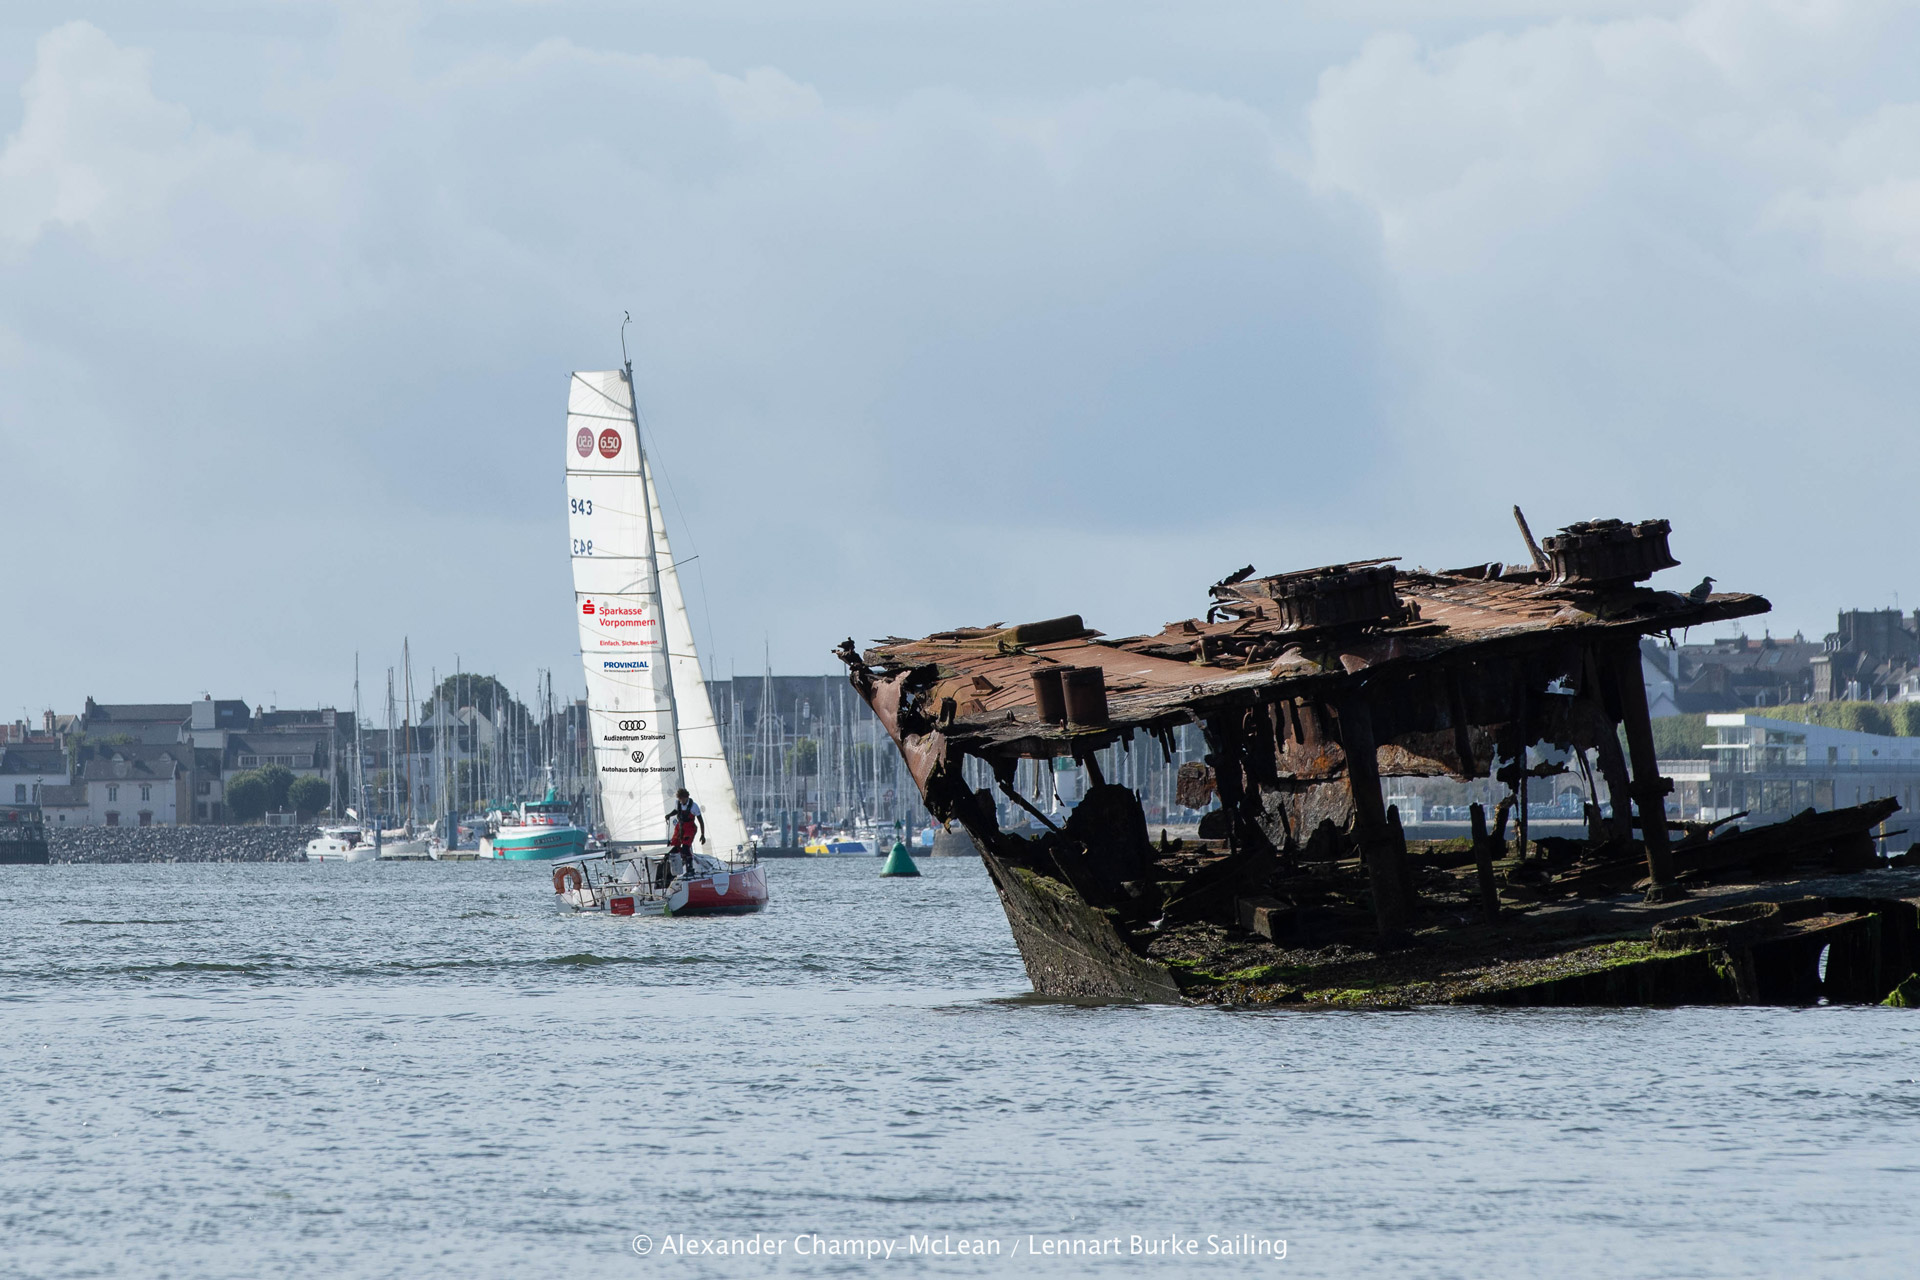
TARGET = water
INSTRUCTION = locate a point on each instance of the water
(420, 1070)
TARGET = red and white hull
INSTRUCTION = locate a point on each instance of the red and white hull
(744, 889)
(625, 887)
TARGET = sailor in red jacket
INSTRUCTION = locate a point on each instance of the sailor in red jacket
(684, 821)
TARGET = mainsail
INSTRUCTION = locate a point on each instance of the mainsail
(617, 601)
(703, 762)
(652, 722)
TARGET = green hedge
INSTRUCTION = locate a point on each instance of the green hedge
(1894, 719)
(1681, 737)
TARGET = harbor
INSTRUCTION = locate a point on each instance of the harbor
(723, 640)
(348, 1018)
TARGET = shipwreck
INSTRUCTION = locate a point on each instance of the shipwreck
(1311, 687)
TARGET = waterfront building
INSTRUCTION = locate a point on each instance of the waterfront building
(137, 786)
(210, 741)
(1773, 769)
(1871, 655)
(1727, 674)
(153, 723)
(64, 806)
(27, 769)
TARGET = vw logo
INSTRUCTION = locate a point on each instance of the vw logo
(638, 756)
(632, 726)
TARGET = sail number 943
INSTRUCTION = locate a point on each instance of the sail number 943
(583, 546)
(581, 506)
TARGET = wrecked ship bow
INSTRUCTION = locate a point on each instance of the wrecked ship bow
(1309, 688)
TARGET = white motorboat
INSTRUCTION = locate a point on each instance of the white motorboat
(341, 844)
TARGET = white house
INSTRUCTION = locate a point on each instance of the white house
(64, 806)
(1660, 672)
(128, 790)
(25, 770)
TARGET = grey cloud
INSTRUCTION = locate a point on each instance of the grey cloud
(1613, 248)
(982, 319)
(920, 337)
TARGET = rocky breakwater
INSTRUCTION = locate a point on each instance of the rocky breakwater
(179, 844)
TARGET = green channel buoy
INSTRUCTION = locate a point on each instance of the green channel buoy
(899, 862)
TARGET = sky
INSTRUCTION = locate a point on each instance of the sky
(943, 313)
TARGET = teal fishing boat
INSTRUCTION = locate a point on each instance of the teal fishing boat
(544, 829)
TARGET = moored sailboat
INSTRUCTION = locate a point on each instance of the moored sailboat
(652, 722)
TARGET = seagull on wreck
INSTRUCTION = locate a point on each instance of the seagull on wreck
(1700, 593)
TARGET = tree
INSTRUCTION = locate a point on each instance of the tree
(483, 694)
(309, 795)
(277, 778)
(247, 796)
(804, 758)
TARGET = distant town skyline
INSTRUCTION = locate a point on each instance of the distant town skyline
(943, 315)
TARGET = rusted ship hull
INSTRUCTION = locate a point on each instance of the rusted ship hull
(1309, 689)
(1070, 949)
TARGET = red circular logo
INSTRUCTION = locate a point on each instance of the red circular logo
(609, 442)
(583, 442)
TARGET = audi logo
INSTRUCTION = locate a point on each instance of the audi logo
(632, 726)
(638, 756)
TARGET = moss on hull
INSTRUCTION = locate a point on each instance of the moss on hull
(1069, 948)
(1072, 949)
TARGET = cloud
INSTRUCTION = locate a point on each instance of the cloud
(289, 311)
(1863, 207)
(1650, 265)
(891, 350)
(96, 149)
(99, 155)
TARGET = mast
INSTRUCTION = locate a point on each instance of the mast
(763, 765)
(653, 559)
(406, 720)
(359, 756)
(437, 797)
(459, 683)
(393, 773)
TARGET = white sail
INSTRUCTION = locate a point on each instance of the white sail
(703, 762)
(618, 606)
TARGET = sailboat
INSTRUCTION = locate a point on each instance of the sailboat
(651, 719)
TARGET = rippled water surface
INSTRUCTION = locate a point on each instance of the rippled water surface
(420, 1070)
